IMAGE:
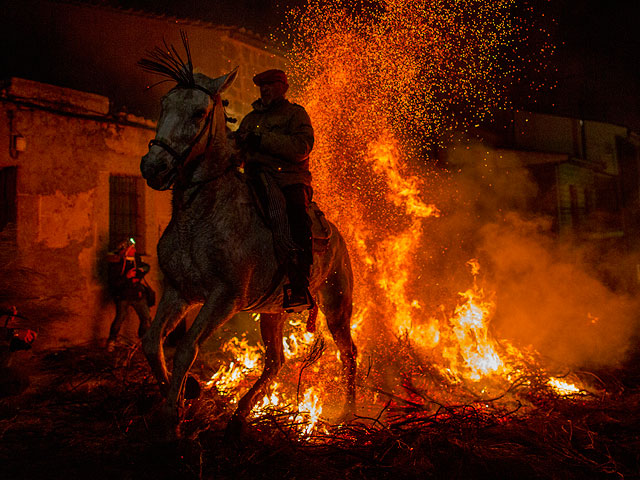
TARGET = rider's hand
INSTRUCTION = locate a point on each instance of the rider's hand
(248, 140)
(253, 141)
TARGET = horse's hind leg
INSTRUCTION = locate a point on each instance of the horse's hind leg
(171, 310)
(271, 330)
(336, 302)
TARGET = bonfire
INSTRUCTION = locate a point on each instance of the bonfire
(441, 393)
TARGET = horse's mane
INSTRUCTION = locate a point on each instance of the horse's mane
(168, 63)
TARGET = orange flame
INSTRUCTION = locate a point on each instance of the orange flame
(230, 379)
(247, 358)
(564, 388)
(380, 86)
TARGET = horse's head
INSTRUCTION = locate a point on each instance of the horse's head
(190, 115)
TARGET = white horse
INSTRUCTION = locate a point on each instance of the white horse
(216, 250)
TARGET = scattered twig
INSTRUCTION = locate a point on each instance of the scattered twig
(315, 352)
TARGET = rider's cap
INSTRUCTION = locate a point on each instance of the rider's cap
(270, 76)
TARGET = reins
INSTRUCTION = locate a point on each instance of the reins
(181, 160)
(198, 185)
(184, 159)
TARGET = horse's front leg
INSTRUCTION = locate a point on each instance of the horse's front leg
(271, 331)
(171, 309)
(218, 309)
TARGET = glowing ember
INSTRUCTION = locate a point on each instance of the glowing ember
(247, 358)
(564, 388)
(384, 81)
(298, 341)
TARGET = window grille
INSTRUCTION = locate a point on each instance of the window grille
(126, 210)
(8, 176)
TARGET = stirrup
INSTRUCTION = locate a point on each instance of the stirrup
(296, 302)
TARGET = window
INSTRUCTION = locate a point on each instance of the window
(575, 209)
(588, 202)
(8, 208)
(126, 210)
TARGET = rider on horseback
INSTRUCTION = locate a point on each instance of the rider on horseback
(275, 140)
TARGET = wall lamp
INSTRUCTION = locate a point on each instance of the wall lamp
(17, 142)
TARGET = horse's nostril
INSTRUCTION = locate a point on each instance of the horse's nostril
(149, 168)
(144, 166)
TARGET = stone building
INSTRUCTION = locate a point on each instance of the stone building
(70, 184)
(583, 175)
(586, 172)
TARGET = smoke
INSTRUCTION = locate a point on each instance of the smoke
(382, 88)
(567, 299)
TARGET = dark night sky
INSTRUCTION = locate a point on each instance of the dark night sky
(597, 60)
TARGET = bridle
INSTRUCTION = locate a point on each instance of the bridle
(182, 160)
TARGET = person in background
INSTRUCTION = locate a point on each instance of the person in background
(126, 274)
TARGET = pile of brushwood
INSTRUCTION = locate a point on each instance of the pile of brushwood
(91, 414)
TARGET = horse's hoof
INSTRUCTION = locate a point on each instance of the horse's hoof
(191, 388)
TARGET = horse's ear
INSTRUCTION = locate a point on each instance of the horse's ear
(220, 84)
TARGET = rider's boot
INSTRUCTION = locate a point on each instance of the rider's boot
(297, 296)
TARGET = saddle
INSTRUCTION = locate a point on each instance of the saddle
(270, 204)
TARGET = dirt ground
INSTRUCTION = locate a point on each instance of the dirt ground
(88, 414)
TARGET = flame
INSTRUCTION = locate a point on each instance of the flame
(230, 380)
(403, 191)
(247, 358)
(564, 388)
(270, 400)
(474, 345)
(310, 410)
(381, 87)
(298, 341)
(306, 415)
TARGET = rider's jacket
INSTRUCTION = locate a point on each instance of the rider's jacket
(285, 141)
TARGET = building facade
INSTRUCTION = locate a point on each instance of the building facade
(70, 183)
(582, 175)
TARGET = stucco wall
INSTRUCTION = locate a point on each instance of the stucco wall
(601, 145)
(63, 215)
(63, 175)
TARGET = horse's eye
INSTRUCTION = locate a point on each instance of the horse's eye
(199, 114)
